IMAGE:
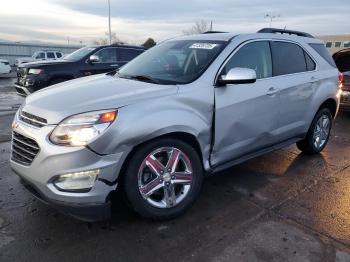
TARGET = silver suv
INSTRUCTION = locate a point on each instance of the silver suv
(189, 106)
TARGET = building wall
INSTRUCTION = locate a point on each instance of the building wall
(335, 43)
(11, 51)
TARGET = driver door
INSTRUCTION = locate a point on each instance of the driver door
(247, 115)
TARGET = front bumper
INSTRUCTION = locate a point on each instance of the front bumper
(27, 84)
(22, 90)
(52, 161)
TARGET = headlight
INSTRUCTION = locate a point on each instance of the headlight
(35, 71)
(77, 181)
(80, 130)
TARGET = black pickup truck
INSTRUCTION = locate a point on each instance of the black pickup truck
(83, 62)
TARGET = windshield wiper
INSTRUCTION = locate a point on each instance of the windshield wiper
(143, 78)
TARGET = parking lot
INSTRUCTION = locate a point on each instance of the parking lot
(284, 206)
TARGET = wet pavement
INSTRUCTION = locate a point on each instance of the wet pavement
(283, 206)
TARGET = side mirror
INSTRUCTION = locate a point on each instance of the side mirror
(238, 75)
(94, 59)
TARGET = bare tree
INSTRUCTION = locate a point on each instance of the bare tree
(105, 40)
(199, 27)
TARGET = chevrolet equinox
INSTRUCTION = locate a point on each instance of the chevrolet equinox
(189, 106)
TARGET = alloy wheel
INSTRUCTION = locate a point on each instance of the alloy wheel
(165, 177)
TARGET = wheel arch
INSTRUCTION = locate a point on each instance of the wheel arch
(331, 104)
(180, 135)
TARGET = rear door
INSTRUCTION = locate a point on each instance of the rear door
(247, 115)
(294, 72)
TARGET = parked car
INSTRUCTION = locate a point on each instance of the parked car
(83, 62)
(189, 106)
(342, 60)
(5, 67)
(40, 56)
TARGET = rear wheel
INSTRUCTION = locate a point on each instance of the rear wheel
(318, 134)
(163, 179)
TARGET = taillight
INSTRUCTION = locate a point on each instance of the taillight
(340, 79)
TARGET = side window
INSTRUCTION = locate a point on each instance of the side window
(40, 55)
(337, 44)
(58, 55)
(51, 55)
(256, 56)
(322, 51)
(310, 64)
(288, 58)
(126, 54)
(329, 44)
(107, 55)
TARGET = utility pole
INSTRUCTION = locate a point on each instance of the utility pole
(211, 25)
(109, 22)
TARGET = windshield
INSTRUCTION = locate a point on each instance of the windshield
(173, 62)
(79, 54)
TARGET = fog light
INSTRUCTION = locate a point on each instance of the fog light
(78, 181)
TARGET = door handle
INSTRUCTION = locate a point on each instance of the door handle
(115, 65)
(272, 91)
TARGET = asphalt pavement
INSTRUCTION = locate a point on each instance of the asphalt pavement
(283, 206)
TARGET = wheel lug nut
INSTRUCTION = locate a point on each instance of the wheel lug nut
(169, 170)
(172, 177)
(160, 181)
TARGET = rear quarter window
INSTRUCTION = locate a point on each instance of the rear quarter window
(323, 52)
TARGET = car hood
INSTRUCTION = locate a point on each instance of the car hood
(41, 63)
(91, 93)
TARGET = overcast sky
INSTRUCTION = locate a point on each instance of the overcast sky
(134, 21)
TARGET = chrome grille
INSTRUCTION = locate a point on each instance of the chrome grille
(32, 119)
(24, 149)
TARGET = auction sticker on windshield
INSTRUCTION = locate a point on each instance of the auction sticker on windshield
(203, 46)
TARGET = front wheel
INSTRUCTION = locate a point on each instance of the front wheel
(318, 134)
(163, 178)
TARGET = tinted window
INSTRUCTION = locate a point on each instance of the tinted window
(50, 55)
(310, 64)
(58, 55)
(107, 55)
(288, 58)
(322, 51)
(256, 56)
(126, 55)
(40, 56)
(343, 63)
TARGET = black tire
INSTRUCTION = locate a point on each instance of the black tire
(57, 81)
(307, 144)
(131, 186)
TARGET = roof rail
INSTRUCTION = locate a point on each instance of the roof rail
(213, 32)
(284, 31)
